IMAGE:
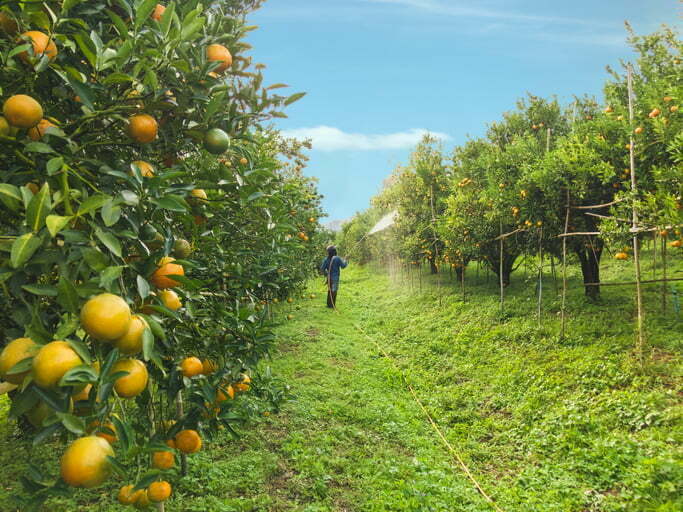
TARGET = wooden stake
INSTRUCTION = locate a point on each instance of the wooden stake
(179, 415)
(664, 290)
(500, 271)
(564, 271)
(540, 272)
(636, 242)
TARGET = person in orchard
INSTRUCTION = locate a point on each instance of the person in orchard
(331, 269)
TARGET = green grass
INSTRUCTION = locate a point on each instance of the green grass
(545, 424)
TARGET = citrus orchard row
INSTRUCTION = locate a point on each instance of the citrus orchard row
(544, 169)
(147, 215)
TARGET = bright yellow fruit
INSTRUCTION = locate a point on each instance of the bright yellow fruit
(131, 342)
(14, 352)
(135, 382)
(106, 317)
(52, 361)
(85, 464)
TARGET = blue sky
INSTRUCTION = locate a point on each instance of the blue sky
(380, 72)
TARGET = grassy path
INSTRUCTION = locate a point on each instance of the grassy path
(353, 439)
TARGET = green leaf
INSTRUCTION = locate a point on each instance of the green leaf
(21, 367)
(23, 248)
(94, 202)
(43, 290)
(55, 223)
(38, 147)
(10, 196)
(110, 241)
(109, 275)
(95, 259)
(167, 18)
(38, 208)
(294, 97)
(118, 78)
(68, 4)
(72, 423)
(67, 296)
(143, 12)
(84, 43)
(189, 29)
(54, 165)
(81, 374)
(124, 434)
(171, 202)
(81, 349)
(111, 213)
(118, 22)
(147, 344)
(143, 287)
(68, 325)
(156, 327)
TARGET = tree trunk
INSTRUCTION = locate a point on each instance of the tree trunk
(493, 262)
(590, 267)
(432, 266)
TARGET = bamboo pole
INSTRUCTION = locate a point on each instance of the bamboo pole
(500, 272)
(636, 241)
(564, 271)
(540, 274)
(179, 414)
(664, 290)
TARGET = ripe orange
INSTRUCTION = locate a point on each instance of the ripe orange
(106, 317)
(42, 44)
(198, 195)
(158, 12)
(171, 443)
(106, 431)
(14, 352)
(223, 396)
(5, 128)
(135, 382)
(638, 130)
(52, 361)
(83, 394)
(209, 367)
(142, 128)
(191, 366)
(188, 441)
(85, 464)
(163, 460)
(38, 131)
(655, 112)
(161, 276)
(245, 381)
(673, 108)
(126, 495)
(301, 235)
(140, 499)
(131, 342)
(22, 111)
(219, 53)
(170, 299)
(621, 256)
(159, 491)
(8, 25)
(146, 169)
(244, 161)
(676, 243)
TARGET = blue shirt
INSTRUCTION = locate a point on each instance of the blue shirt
(337, 265)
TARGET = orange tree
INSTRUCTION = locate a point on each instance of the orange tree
(118, 237)
(417, 192)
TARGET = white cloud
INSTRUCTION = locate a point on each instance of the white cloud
(328, 138)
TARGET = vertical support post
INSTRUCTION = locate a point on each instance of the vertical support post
(500, 270)
(563, 310)
(634, 220)
(179, 414)
(540, 274)
(664, 277)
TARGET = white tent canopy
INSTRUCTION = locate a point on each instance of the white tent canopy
(387, 221)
